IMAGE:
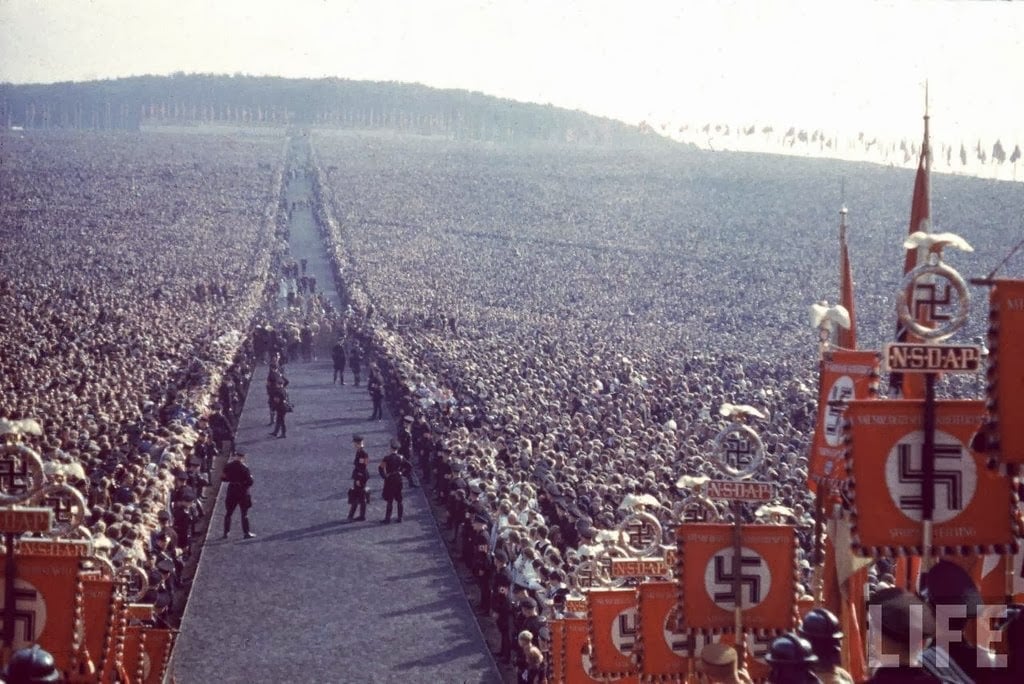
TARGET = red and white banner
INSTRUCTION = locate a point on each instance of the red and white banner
(664, 648)
(572, 642)
(1006, 368)
(99, 610)
(614, 625)
(973, 505)
(845, 376)
(45, 587)
(767, 579)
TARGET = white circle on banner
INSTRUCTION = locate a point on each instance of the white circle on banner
(30, 612)
(625, 627)
(956, 476)
(755, 579)
(842, 392)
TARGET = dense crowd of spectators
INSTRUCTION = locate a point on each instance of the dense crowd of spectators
(131, 270)
(567, 327)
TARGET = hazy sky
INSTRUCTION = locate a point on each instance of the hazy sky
(840, 64)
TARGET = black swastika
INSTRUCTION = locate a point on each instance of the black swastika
(62, 505)
(738, 452)
(25, 618)
(724, 576)
(626, 630)
(837, 398)
(927, 306)
(641, 534)
(14, 475)
(948, 481)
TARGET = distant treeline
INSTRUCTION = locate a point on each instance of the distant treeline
(128, 103)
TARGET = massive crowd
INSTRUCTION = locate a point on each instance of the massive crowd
(569, 327)
(562, 332)
(132, 268)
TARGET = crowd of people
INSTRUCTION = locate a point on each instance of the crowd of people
(565, 338)
(560, 339)
(131, 271)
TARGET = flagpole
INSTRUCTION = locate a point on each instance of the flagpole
(928, 448)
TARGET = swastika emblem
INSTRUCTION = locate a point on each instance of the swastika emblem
(755, 579)
(929, 300)
(738, 452)
(684, 643)
(625, 627)
(840, 393)
(956, 476)
(29, 613)
(14, 475)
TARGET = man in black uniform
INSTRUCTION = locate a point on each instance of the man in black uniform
(391, 470)
(480, 564)
(375, 386)
(338, 356)
(405, 447)
(501, 596)
(239, 480)
(358, 495)
(422, 443)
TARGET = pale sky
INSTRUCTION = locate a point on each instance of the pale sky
(834, 64)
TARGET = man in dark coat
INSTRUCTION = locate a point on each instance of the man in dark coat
(899, 623)
(405, 446)
(375, 386)
(338, 356)
(501, 597)
(391, 469)
(239, 479)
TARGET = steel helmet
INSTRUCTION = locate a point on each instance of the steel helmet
(31, 666)
(821, 624)
(791, 649)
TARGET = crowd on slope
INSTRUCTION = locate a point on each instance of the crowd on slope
(563, 362)
(132, 268)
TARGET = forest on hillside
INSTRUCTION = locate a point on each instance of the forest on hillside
(128, 103)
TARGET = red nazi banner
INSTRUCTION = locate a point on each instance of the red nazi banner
(614, 626)
(767, 576)
(845, 375)
(973, 505)
(1006, 369)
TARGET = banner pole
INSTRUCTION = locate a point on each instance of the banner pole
(928, 472)
(737, 575)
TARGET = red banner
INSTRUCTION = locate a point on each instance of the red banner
(98, 610)
(973, 505)
(662, 645)
(574, 651)
(845, 375)
(158, 645)
(613, 619)
(767, 576)
(1006, 369)
(45, 588)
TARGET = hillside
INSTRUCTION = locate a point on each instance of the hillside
(129, 103)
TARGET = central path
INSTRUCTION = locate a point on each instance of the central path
(313, 598)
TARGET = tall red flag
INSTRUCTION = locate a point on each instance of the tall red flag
(847, 337)
(911, 386)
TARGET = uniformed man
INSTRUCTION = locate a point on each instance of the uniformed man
(821, 628)
(405, 446)
(391, 470)
(899, 624)
(358, 496)
(501, 604)
(338, 358)
(239, 479)
(480, 564)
